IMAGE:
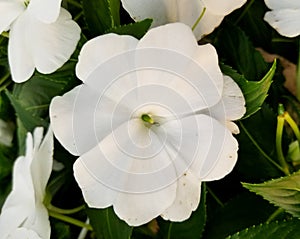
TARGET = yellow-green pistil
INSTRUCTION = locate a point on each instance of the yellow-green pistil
(147, 118)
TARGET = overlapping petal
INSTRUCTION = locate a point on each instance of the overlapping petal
(185, 11)
(46, 11)
(9, 11)
(23, 210)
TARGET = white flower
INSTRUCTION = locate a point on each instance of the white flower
(42, 36)
(284, 17)
(186, 11)
(23, 214)
(143, 123)
(6, 132)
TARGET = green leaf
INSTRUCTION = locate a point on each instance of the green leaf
(283, 192)
(107, 225)
(240, 212)
(101, 15)
(28, 119)
(275, 230)
(235, 48)
(255, 92)
(32, 98)
(191, 228)
(137, 29)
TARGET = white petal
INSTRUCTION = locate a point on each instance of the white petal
(222, 7)
(223, 163)
(53, 44)
(19, 53)
(11, 218)
(187, 198)
(24, 233)
(84, 105)
(231, 107)
(285, 21)
(173, 49)
(138, 209)
(41, 166)
(38, 221)
(128, 169)
(275, 4)
(46, 11)
(207, 24)
(9, 11)
(101, 49)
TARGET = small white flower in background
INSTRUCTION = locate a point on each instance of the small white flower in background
(6, 132)
(185, 11)
(42, 36)
(23, 214)
(149, 123)
(284, 16)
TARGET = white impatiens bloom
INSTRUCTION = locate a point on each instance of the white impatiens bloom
(42, 35)
(23, 214)
(149, 123)
(284, 16)
(186, 11)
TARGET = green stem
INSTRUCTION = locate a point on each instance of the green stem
(65, 211)
(279, 130)
(169, 230)
(3, 87)
(78, 16)
(74, 3)
(214, 196)
(275, 214)
(198, 19)
(245, 11)
(4, 78)
(70, 220)
(293, 125)
(260, 149)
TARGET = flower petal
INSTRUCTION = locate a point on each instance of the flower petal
(232, 105)
(19, 53)
(221, 7)
(283, 4)
(285, 21)
(141, 171)
(187, 198)
(99, 50)
(53, 44)
(6, 132)
(38, 221)
(9, 11)
(46, 11)
(68, 113)
(41, 166)
(218, 167)
(163, 49)
(158, 10)
(24, 233)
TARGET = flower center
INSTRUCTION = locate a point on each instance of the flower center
(147, 118)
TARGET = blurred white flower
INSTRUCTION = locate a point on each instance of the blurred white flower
(185, 11)
(284, 16)
(23, 214)
(42, 36)
(149, 123)
(6, 132)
